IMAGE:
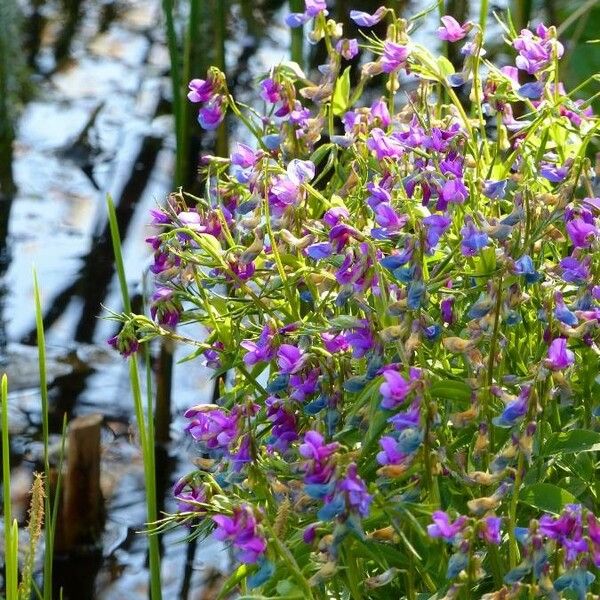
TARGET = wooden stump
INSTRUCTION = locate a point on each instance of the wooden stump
(81, 514)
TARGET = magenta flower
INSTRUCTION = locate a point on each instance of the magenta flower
(165, 309)
(443, 527)
(290, 359)
(364, 19)
(241, 530)
(455, 191)
(394, 56)
(394, 390)
(452, 30)
(559, 356)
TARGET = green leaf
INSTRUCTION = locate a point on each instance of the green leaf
(341, 94)
(547, 497)
(446, 67)
(451, 390)
(576, 440)
(240, 573)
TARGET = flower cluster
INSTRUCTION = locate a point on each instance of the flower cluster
(401, 304)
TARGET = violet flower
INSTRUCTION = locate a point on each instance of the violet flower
(355, 492)
(452, 30)
(364, 19)
(490, 530)
(394, 390)
(212, 114)
(260, 351)
(214, 428)
(394, 56)
(241, 530)
(390, 453)
(290, 359)
(582, 233)
(559, 356)
(444, 528)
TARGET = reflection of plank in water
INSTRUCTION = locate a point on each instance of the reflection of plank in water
(97, 271)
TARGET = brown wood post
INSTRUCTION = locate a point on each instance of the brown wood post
(82, 504)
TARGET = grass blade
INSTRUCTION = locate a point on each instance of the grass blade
(145, 431)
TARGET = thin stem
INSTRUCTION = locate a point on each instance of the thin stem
(146, 442)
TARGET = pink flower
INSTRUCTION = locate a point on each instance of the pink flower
(451, 30)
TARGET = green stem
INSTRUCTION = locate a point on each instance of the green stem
(146, 442)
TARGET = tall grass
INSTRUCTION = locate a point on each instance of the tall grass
(145, 421)
(11, 530)
(297, 35)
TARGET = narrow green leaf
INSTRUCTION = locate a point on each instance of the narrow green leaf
(451, 390)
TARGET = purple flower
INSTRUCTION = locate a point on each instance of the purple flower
(188, 496)
(394, 390)
(559, 356)
(244, 156)
(335, 342)
(300, 171)
(453, 190)
(201, 90)
(514, 410)
(241, 530)
(355, 491)
(495, 189)
(536, 51)
(270, 91)
(553, 173)
(312, 9)
(390, 454)
(334, 215)
(214, 428)
(284, 430)
(473, 240)
(394, 56)
(443, 527)
(574, 270)
(582, 233)
(212, 114)
(261, 351)
(388, 218)
(125, 342)
(304, 385)
(347, 48)
(364, 19)
(319, 466)
(384, 146)
(165, 309)
(290, 359)
(361, 340)
(452, 30)
(435, 227)
(379, 110)
(490, 530)
(447, 310)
